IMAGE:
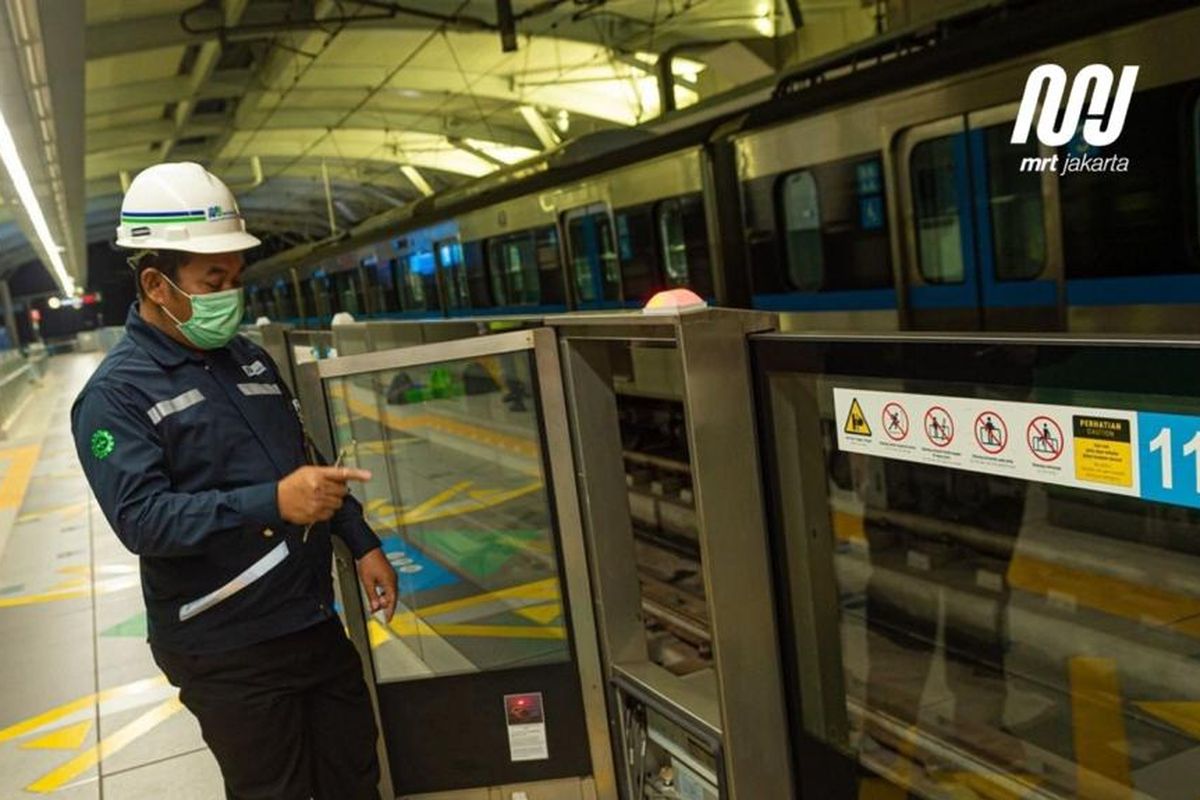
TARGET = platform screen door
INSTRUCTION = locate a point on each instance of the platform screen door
(488, 673)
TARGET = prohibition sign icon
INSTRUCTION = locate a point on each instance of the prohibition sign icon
(991, 434)
(1045, 438)
(939, 426)
(895, 421)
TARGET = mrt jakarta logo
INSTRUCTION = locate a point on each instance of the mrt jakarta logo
(1091, 120)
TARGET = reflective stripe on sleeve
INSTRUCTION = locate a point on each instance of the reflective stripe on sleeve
(252, 573)
(251, 389)
(160, 411)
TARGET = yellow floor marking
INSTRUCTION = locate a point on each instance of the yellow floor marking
(400, 422)
(887, 788)
(409, 628)
(1101, 749)
(1142, 602)
(71, 737)
(386, 515)
(66, 709)
(376, 633)
(544, 590)
(103, 569)
(848, 527)
(1182, 714)
(106, 586)
(16, 478)
(1116, 596)
(417, 624)
(67, 510)
(108, 746)
(425, 506)
(543, 614)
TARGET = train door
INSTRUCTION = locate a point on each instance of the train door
(979, 236)
(595, 274)
(452, 274)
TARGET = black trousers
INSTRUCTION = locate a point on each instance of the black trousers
(287, 719)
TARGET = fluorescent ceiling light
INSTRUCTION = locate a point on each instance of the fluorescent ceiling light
(20, 182)
(509, 154)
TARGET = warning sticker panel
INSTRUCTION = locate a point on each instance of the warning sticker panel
(1067, 445)
(1103, 450)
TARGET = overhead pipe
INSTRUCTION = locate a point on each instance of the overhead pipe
(333, 231)
(257, 177)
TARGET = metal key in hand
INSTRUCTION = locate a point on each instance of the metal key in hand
(338, 463)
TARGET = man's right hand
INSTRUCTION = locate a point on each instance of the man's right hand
(314, 494)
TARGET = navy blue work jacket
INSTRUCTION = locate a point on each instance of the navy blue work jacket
(183, 451)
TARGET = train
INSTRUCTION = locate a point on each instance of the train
(877, 189)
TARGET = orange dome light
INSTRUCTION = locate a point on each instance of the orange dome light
(674, 301)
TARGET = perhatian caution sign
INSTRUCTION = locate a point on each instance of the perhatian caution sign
(1103, 450)
(856, 422)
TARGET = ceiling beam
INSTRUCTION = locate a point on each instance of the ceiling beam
(122, 137)
(163, 91)
(201, 72)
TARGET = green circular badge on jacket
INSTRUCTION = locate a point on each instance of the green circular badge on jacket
(103, 443)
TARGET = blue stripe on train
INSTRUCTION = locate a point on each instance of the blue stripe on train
(1135, 290)
(865, 300)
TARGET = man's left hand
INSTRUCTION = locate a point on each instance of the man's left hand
(379, 581)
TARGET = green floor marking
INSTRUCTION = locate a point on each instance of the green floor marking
(134, 626)
(480, 554)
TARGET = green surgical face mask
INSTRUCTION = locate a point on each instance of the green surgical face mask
(215, 317)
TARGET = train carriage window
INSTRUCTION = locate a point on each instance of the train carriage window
(476, 275)
(450, 260)
(802, 231)
(280, 301)
(324, 302)
(593, 257)
(549, 266)
(419, 283)
(1015, 207)
(932, 165)
(308, 297)
(683, 237)
(514, 269)
(1140, 221)
(525, 268)
(834, 222)
(348, 292)
(635, 246)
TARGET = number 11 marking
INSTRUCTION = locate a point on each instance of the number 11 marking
(1191, 447)
(1162, 444)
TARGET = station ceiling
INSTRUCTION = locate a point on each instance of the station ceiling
(390, 101)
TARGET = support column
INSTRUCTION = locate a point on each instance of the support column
(10, 319)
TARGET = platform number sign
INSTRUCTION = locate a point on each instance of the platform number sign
(1170, 458)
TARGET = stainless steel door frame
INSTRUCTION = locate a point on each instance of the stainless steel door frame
(542, 343)
(312, 400)
(720, 418)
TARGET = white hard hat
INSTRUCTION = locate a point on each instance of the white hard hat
(342, 318)
(181, 206)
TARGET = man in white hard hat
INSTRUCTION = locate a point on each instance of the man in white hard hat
(197, 455)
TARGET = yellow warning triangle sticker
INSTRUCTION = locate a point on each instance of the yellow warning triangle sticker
(856, 420)
(71, 737)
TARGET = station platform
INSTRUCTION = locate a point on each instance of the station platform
(84, 711)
